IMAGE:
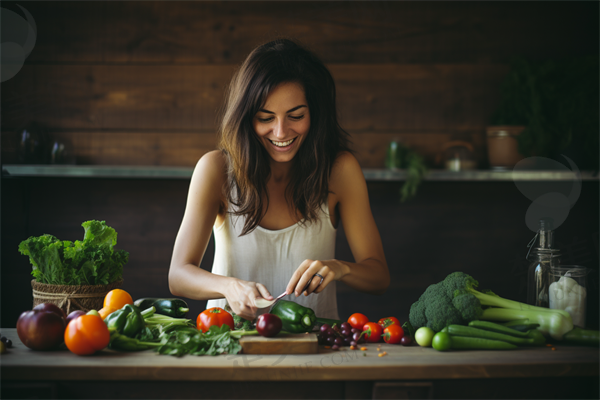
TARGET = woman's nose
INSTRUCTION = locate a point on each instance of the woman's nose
(279, 129)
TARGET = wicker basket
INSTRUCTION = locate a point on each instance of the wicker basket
(72, 297)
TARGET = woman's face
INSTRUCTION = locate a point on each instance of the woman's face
(283, 122)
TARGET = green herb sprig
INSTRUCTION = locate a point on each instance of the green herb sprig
(215, 341)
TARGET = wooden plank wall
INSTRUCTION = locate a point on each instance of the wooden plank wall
(141, 83)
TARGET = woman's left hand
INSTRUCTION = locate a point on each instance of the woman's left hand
(330, 270)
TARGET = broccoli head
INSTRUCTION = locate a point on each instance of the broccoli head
(445, 303)
(467, 305)
(458, 281)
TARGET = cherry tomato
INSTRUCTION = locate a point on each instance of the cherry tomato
(358, 320)
(213, 316)
(86, 335)
(373, 332)
(393, 334)
(385, 322)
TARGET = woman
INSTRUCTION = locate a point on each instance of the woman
(275, 191)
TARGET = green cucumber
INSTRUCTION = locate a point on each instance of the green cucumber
(491, 326)
(585, 337)
(476, 343)
(176, 308)
(534, 334)
(460, 330)
(522, 325)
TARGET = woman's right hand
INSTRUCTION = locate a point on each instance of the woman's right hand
(241, 296)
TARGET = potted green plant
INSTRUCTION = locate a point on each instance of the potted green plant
(556, 105)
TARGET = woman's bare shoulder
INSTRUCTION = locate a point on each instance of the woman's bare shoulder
(212, 166)
(346, 177)
(345, 167)
(209, 178)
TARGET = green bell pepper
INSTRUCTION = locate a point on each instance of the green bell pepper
(127, 321)
(296, 318)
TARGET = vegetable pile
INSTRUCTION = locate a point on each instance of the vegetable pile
(441, 312)
(93, 261)
(455, 301)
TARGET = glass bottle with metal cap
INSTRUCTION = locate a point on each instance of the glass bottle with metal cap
(543, 257)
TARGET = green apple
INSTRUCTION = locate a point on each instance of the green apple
(424, 336)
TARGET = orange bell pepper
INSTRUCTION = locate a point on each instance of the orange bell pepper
(86, 335)
(113, 301)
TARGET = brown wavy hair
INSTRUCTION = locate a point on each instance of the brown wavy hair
(266, 67)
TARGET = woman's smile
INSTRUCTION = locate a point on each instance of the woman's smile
(283, 146)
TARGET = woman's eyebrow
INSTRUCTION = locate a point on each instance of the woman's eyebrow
(288, 111)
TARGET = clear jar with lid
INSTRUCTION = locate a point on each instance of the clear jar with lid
(538, 276)
(543, 259)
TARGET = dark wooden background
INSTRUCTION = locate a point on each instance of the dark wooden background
(141, 83)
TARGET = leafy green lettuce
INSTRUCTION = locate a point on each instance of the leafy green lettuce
(93, 261)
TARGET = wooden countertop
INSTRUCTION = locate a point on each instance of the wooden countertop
(401, 363)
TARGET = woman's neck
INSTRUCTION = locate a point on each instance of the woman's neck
(280, 172)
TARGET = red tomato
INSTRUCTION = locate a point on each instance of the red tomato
(86, 335)
(358, 320)
(385, 322)
(213, 316)
(393, 334)
(373, 332)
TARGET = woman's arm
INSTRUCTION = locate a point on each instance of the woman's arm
(370, 272)
(186, 278)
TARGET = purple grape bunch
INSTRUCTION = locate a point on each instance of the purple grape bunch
(338, 336)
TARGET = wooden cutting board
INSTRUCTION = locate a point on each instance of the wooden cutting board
(283, 343)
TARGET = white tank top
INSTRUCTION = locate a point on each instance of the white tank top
(271, 257)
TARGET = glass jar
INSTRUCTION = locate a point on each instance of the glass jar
(543, 257)
(567, 290)
(537, 276)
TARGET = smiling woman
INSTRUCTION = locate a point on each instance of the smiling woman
(274, 193)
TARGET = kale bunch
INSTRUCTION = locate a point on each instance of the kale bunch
(93, 261)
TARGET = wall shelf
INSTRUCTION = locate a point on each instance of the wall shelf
(480, 175)
(161, 172)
